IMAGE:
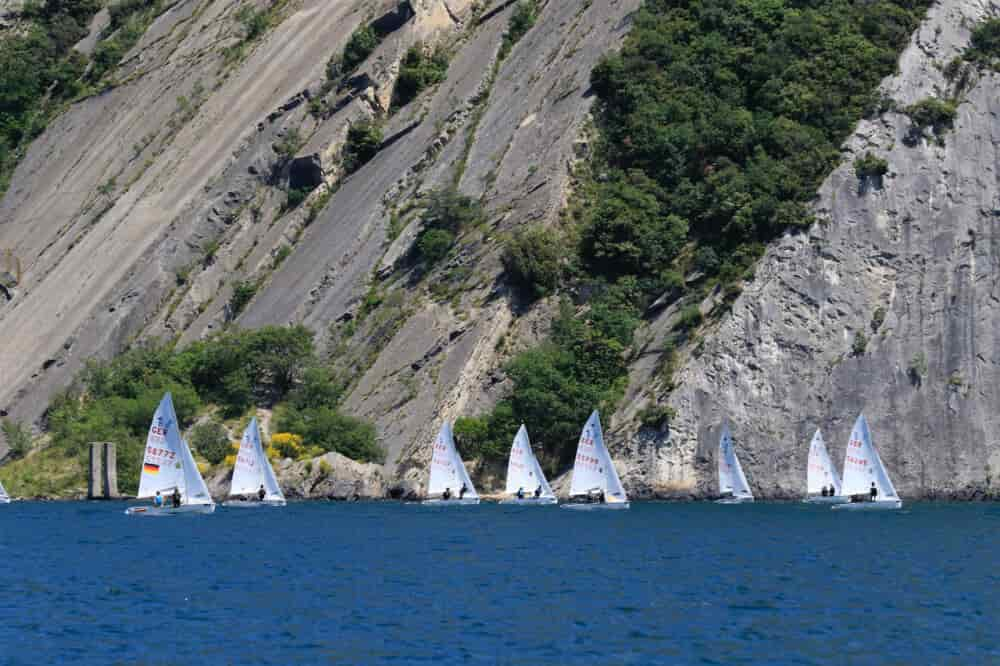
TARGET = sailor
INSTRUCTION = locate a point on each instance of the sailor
(446, 494)
(158, 500)
(176, 497)
(538, 491)
(461, 491)
(824, 491)
(873, 492)
(261, 493)
(520, 493)
(603, 500)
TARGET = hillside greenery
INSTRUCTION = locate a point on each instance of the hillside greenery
(39, 72)
(232, 372)
(716, 123)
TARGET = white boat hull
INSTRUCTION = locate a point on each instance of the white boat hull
(5, 500)
(530, 501)
(836, 499)
(889, 505)
(169, 510)
(734, 500)
(595, 506)
(451, 502)
(254, 504)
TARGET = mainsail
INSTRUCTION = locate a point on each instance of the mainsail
(523, 470)
(447, 469)
(167, 463)
(4, 497)
(593, 469)
(820, 473)
(731, 477)
(253, 469)
(162, 464)
(862, 465)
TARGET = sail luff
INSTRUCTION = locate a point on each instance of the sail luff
(162, 464)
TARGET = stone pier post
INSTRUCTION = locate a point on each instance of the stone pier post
(110, 460)
(95, 479)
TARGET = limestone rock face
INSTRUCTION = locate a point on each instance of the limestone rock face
(114, 208)
(888, 305)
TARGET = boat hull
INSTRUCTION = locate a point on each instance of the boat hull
(869, 506)
(170, 510)
(5, 500)
(530, 501)
(734, 500)
(465, 501)
(837, 499)
(243, 504)
(595, 506)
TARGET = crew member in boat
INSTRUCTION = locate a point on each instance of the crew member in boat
(538, 491)
(176, 497)
(158, 500)
(261, 493)
(873, 492)
(446, 494)
(461, 491)
(520, 493)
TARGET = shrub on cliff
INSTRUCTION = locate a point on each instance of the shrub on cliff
(533, 259)
(364, 138)
(448, 213)
(360, 45)
(211, 440)
(418, 71)
(984, 46)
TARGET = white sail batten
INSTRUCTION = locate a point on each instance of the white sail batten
(820, 473)
(253, 469)
(593, 468)
(162, 463)
(731, 477)
(863, 466)
(523, 470)
(447, 469)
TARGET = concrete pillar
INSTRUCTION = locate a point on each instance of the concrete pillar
(95, 479)
(110, 460)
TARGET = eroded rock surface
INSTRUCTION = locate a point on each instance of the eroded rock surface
(913, 268)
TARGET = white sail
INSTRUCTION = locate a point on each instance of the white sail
(447, 469)
(523, 470)
(593, 469)
(820, 473)
(253, 469)
(194, 491)
(862, 465)
(731, 477)
(162, 464)
(4, 497)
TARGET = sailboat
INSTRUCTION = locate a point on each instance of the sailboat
(252, 472)
(820, 474)
(525, 475)
(4, 497)
(733, 484)
(448, 473)
(595, 483)
(863, 469)
(168, 466)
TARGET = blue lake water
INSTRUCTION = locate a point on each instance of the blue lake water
(384, 582)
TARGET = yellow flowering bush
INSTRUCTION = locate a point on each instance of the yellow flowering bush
(286, 445)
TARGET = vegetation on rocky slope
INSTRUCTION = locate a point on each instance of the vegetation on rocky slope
(39, 72)
(716, 123)
(233, 371)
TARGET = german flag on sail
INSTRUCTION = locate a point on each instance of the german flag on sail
(150, 468)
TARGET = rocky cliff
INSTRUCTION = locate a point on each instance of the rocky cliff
(139, 209)
(142, 207)
(888, 305)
